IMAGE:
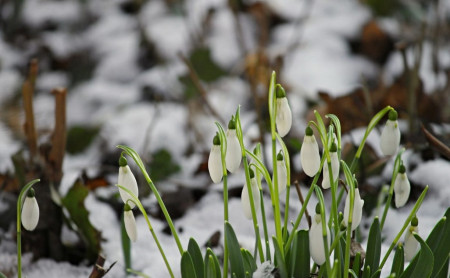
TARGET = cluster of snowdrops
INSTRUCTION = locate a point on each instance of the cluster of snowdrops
(330, 239)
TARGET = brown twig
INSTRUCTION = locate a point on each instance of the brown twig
(59, 134)
(441, 147)
(99, 271)
(27, 94)
(196, 80)
(300, 196)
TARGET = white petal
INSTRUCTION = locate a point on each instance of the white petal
(282, 176)
(130, 224)
(283, 118)
(335, 169)
(390, 138)
(234, 154)
(215, 164)
(316, 247)
(30, 213)
(310, 156)
(402, 189)
(265, 270)
(411, 244)
(245, 199)
(326, 177)
(127, 180)
(357, 210)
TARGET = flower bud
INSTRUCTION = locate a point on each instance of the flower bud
(245, 198)
(129, 222)
(127, 180)
(357, 210)
(283, 118)
(309, 153)
(233, 155)
(215, 161)
(282, 173)
(402, 187)
(411, 244)
(316, 247)
(390, 136)
(30, 211)
(334, 168)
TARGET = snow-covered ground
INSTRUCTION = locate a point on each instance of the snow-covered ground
(112, 101)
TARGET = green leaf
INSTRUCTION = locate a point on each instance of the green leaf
(206, 69)
(2, 275)
(187, 266)
(444, 270)
(126, 245)
(197, 258)
(210, 254)
(373, 248)
(441, 244)
(300, 258)
(356, 265)
(337, 125)
(399, 261)
(74, 203)
(236, 263)
(79, 138)
(249, 261)
(279, 258)
(210, 267)
(162, 165)
(423, 266)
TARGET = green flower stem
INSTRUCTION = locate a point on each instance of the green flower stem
(138, 203)
(397, 164)
(288, 185)
(286, 213)
(334, 208)
(19, 224)
(324, 229)
(405, 225)
(133, 154)
(266, 234)
(304, 205)
(351, 183)
(373, 122)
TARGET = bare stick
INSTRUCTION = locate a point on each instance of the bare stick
(27, 94)
(435, 142)
(59, 134)
(300, 196)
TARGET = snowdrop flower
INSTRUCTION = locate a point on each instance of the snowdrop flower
(357, 210)
(245, 198)
(316, 247)
(282, 173)
(390, 136)
(402, 187)
(127, 180)
(130, 222)
(233, 155)
(215, 161)
(30, 211)
(265, 270)
(309, 153)
(284, 115)
(334, 168)
(411, 244)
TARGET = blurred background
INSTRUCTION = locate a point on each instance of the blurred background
(79, 77)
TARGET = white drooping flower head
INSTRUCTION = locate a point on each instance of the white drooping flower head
(309, 153)
(357, 210)
(334, 167)
(265, 270)
(234, 154)
(30, 211)
(411, 244)
(127, 180)
(129, 222)
(316, 246)
(402, 187)
(390, 136)
(281, 173)
(245, 196)
(215, 161)
(283, 117)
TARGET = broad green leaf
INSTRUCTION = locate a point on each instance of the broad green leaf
(279, 259)
(249, 261)
(210, 254)
(441, 250)
(423, 266)
(2, 275)
(79, 138)
(236, 263)
(162, 165)
(366, 273)
(373, 248)
(444, 270)
(399, 261)
(79, 215)
(356, 264)
(187, 266)
(300, 257)
(210, 267)
(205, 67)
(197, 258)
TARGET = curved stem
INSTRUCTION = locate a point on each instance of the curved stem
(19, 224)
